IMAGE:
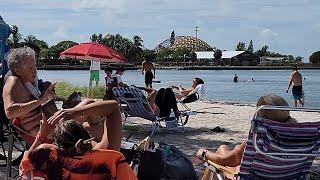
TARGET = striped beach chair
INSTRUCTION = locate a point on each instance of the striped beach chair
(276, 150)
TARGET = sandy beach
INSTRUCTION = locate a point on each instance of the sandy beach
(235, 118)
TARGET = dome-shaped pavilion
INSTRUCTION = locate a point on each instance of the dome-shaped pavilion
(189, 42)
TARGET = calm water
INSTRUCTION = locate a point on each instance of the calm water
(219, 85)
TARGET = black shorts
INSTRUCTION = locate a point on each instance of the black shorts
(297, 92)
(148, 77)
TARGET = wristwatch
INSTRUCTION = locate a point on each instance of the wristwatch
(203, 155)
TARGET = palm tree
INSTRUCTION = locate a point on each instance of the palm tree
(94, 37)
(136, 49)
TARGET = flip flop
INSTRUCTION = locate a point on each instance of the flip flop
(218, 129)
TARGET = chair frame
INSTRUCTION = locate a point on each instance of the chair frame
(12, 137)
(156, 121)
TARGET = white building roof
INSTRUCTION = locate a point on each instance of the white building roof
(230, 54)
(210, 54)
(205, 54)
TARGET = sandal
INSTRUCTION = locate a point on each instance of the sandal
(218, 129)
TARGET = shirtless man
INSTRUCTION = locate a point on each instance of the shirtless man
(21, 99)
(296, 81)
(147, 66)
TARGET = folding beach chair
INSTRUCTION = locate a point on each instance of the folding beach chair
(133, 103)
(194, 95)
(276, 150)
(12, 145)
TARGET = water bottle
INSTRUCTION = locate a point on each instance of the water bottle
(135, 166)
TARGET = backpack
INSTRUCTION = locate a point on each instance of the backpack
(176, 164)
(164, 162)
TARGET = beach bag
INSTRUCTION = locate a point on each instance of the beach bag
(150, 162)
(176, 164)
(146, 157)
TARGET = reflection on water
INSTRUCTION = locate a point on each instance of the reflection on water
(218, 83)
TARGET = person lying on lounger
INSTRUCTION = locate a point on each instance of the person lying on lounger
(162, 101)
(183, 92)
(227, 156)
(74, 154)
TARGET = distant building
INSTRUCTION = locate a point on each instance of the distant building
(184, 42)
(232, 58)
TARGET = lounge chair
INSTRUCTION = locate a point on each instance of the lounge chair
(133, 103)
(275, 150)
(194, 95)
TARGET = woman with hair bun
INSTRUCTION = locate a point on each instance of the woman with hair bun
(74, 154)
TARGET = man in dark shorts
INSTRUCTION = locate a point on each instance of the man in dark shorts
(147, 67)
(296, 81)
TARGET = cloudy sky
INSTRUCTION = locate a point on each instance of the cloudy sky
(286, 26)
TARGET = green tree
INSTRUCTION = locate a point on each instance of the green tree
(315, 58)
(40, 43)
(298, 59)
(164, 54)
(180, 54)
(263, 51)
(217, 54)
(15, 37)
(250, 47)
(149, 54)
(241, 46)
(55, 50)
(172, 38)
(136, 49)
(94, 37)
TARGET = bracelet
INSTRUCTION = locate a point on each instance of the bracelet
(41, 139)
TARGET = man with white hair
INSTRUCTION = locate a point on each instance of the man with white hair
(22, 101)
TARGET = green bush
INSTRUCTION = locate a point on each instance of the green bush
(64, 89)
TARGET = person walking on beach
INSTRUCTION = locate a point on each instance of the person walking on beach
(94, 72)
(296, 81)
(147, 68)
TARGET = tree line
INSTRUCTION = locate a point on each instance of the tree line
(134, 51)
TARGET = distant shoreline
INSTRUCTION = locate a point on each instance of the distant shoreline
(66, 67)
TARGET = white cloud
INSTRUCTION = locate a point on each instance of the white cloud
(222, 23)
(61, 32)
(268, 33)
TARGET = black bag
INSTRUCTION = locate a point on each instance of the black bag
(151, 163)
(176, 164)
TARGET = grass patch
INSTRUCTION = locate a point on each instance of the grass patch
(64, 89)
(132, 128)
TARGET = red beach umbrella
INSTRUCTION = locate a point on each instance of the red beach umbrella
(90, 51)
